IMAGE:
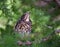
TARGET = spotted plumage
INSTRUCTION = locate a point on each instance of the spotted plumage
(23, 25)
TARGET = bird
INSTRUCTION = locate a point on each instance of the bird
(23, 25)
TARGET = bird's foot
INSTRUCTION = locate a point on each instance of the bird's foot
(24, 43)
(19, 42)
(28, 43)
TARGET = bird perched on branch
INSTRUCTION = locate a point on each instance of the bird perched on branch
(23, 25)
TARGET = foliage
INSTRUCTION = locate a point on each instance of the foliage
(43, 24)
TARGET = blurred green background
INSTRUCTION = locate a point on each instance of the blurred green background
(43, 23)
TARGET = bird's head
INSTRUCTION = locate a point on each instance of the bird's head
(26, 16)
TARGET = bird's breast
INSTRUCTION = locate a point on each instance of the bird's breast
(23, 27)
